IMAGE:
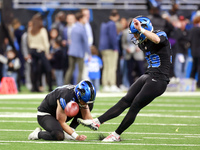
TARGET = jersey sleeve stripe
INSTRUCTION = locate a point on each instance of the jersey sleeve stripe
(62, 103)
(162, 33)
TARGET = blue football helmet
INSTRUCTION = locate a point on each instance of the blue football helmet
(145, 23)
(85, 91)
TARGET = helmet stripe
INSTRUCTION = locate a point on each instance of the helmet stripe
(91, 90)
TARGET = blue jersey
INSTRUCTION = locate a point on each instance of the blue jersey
(94, 67)
(158, 56)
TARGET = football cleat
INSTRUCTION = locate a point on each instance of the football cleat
(111, 138)
(90, 123)
(34, 134)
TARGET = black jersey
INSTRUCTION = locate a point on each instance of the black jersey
(158, 56)
(49, 104)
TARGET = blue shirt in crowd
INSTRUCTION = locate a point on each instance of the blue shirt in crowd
(94, 67)
(108, 36)
(79, 41)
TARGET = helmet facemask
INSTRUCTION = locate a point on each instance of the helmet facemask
(135, 41)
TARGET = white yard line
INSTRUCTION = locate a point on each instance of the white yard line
(34, 115)
(172, 111)
(102, 104)
(19, 102)
(193, 136)
(42, 96)
(103, 110)
(102, 143)
(17, 121)
(174, 105)
(163, 138)
(95, 132)
(18, 108)
(139, 124)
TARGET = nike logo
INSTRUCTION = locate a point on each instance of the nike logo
(154, 80)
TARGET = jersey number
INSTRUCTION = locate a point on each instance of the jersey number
(153, 61)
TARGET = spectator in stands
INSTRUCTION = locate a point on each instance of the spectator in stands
(18, 31)
(12, 64)
(86, 13)
(195, 48)
(53, 34)
(108, 45)
(119, 27)
(138, 56)
(195, 13)
(182, 42)
(3, 49)
(159, 22)
(57, 60)
(39, 47)
(128, 49)
(172, 17)
(94, 67)
(122, 57)
(27, 57)
(60, 22)
(71, 20)
(172, 14)
(77, 48)
(88, 28)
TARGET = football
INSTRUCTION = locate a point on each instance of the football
(71, 109)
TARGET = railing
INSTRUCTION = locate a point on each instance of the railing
(100, 4)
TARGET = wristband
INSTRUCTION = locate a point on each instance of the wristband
(74, 135)
(142, 30)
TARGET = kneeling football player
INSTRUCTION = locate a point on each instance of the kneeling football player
(52, 113)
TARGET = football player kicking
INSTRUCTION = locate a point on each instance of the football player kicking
(52, 117)
(150, 85)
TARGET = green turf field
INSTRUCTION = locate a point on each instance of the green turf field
(168, 123)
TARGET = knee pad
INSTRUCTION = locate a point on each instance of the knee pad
(58, 135)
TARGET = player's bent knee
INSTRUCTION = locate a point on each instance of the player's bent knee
(58, 135)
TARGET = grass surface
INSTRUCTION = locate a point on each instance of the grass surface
(168, 123)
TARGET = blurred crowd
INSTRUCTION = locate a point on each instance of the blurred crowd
(67, 54)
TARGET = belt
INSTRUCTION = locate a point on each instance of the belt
(42, 113)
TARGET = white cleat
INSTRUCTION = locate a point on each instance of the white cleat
(34, 134)
(111, 138)
(90, 123)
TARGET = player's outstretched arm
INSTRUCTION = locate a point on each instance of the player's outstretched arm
(85, 112)
(150, 35)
